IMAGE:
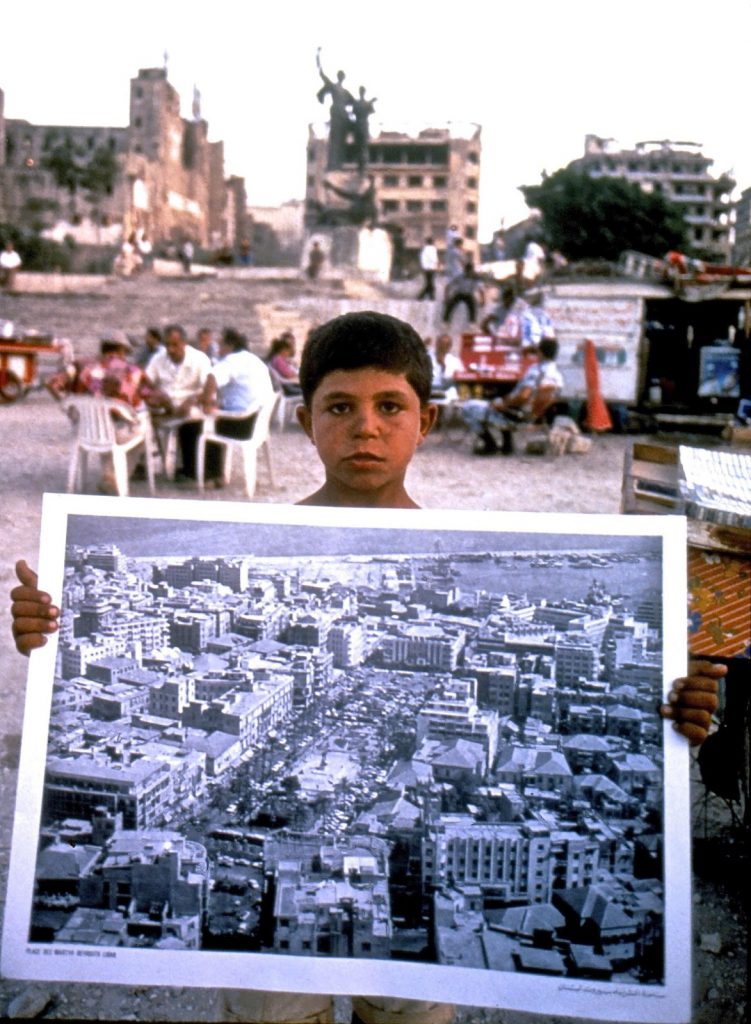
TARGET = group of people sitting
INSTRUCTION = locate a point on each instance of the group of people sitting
(167, 379)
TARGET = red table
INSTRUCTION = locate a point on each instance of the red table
(491, 367)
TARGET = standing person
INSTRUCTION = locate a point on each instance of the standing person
(452, 233)
(429, 266)
(10, 261)
(454, 260)
(186, 255)
(316, 257)
(534, 260)
(145, 251)
(466, 289)
(366, 389)
(238, 381)
(178, 375)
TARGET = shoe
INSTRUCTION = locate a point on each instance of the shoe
(486, 444)
(507, 443)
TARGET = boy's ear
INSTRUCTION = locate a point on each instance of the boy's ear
(428, 415)
(304, 419)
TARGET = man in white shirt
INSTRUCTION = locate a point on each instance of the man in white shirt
(10, 261)
(178, 375)
(445, 367)
(239, 382)
(429, 266)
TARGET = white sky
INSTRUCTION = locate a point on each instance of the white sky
(536, 76)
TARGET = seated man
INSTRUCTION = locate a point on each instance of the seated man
(527, 403)
(445, 367)
(178, 376)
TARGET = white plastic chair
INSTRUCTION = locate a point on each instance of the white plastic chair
(248, 448)
(95, 433)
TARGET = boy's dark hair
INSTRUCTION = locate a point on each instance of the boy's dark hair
(154, 332)
(548, 348)
(366, 338)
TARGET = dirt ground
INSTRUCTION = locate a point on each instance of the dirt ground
(444, 474)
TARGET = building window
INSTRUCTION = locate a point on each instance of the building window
(471, 182)
(390, 205)
(414, 206)
(283, 944)
(137, 122)
(698, 234)
(471, 207)
(440, 181)
(311, 180)
(414, 180)
(474, 157)
(438, 205)
(391, 181)
(469, 232)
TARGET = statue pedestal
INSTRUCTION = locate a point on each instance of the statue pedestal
(360, 251)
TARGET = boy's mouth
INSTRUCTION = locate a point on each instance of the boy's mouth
(364, 458)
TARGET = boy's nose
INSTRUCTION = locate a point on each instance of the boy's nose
(366, 422)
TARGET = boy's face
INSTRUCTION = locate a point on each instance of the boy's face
(366, 425)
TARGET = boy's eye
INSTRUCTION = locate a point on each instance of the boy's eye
(389, 407)
(338, 408)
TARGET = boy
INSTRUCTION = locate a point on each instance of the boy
(366, 381)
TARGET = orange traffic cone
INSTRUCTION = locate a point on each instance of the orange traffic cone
(598, 417)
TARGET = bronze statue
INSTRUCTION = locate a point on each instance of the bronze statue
(362, 109)
(340, 121)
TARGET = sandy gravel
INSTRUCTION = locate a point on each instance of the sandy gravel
(445, 474)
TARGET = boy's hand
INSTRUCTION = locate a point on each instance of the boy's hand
(693, 700)
(32, 610)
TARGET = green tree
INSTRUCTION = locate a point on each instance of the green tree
(63, 160)
(599, 218)
(99, 175)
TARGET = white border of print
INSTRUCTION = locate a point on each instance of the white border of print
(670, 1002)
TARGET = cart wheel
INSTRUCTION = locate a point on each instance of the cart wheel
(11, 388)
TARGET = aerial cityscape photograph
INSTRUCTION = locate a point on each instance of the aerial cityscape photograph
(425, 745)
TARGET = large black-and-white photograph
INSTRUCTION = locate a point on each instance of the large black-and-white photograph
(332, 749)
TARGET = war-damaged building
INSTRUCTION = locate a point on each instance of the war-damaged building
(158, 175)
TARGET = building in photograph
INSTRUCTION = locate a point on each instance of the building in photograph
(334, 902)
(681, 173)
